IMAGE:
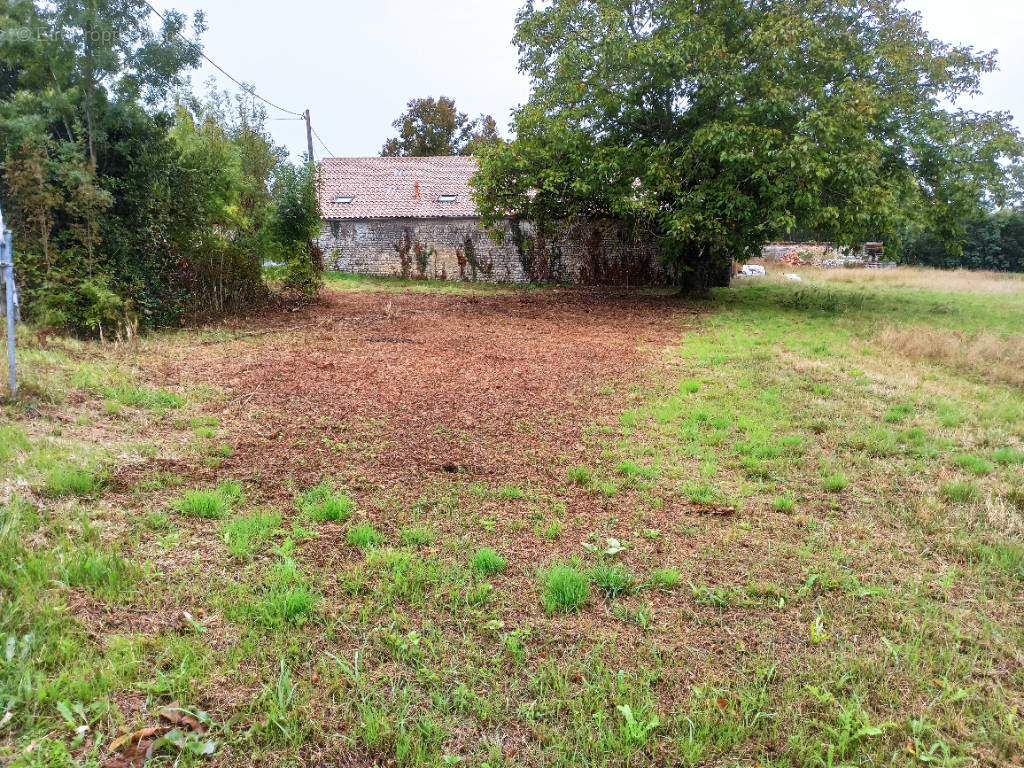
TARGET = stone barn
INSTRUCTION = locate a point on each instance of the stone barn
(415, 217)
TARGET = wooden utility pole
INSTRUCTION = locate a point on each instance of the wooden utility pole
(309, 136)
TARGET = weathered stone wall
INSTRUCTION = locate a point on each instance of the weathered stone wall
(600, 252)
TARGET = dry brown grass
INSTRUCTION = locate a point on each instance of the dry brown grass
(994, 358)
(924, 278)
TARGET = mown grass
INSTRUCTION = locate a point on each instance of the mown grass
(797, 547)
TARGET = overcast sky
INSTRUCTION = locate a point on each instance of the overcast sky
(355, 63)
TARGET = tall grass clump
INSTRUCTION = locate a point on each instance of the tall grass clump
(363, 536)
(564, 589)
(211, 504)
(487, 562)
(324, 504)
(244, 535)
(66, 480)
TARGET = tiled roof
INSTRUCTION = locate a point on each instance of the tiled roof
(385, 187)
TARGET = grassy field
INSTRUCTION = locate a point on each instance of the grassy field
(780, 528)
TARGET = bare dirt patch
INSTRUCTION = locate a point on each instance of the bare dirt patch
(400, 387)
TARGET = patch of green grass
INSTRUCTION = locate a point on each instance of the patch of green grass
(580, 475)
(689, 386)
(835, 482)
(206, 433)
(286, 599)
(145, 397)
(663, 578)
(564, 589)
(783, 503)
(1007, 556)
(363, 536)
(612, 580)
(325, 504)
(634, 471)
(487, 562)
(703, 494)
(973, 464)
(898, 413)
(245, 535)
(960, 491)
(511, 492)
(66, 480)
(106, 576)
(416, 536)
(1008, 456)
(211, 504)
(13, 439)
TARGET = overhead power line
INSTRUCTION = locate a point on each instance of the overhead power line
(251, 90)
(329, 153)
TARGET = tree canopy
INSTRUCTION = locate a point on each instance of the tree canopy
(432, 127)
(717, 125)
(131, 199)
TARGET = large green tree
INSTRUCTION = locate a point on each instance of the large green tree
(431, 127)
(715, 125)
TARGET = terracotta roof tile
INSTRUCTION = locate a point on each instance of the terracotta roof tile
(385, 187)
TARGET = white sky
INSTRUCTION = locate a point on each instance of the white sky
(355, 63)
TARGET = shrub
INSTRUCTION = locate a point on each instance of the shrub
(613, 580)
(211, 504)
(67, 480)
(563, 589)
(363, 536)
(323, 504)
(487, 562)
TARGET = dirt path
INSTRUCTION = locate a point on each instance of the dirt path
(396, 387)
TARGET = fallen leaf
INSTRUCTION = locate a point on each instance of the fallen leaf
(174, 714)
(136, 736)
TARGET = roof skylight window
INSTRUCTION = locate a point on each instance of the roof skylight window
(344, 199)
(447, 198)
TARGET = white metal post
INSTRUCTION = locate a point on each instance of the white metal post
(7, 266)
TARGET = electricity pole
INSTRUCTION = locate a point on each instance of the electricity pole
(309, 136)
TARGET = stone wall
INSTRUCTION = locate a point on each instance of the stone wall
(600, 252)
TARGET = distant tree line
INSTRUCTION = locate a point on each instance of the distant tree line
(133, 201)
(994, 242)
